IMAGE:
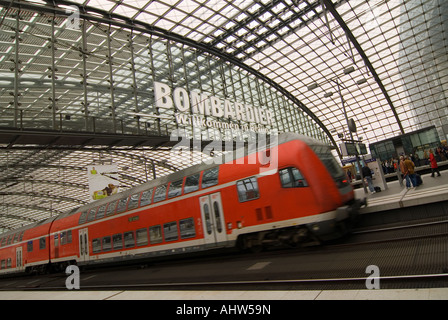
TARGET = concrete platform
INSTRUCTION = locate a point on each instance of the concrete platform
(389, 294)
(397, 196)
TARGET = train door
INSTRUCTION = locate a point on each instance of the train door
(19, 259)
(213, 219)
(83, 245)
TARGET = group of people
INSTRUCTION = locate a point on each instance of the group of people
(406, 164)
(407, 168)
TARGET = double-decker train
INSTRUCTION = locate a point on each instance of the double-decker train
(304, 197)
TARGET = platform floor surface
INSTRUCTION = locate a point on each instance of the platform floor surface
(433, 189)
(387, 294)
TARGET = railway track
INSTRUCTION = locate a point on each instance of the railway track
(414, 255)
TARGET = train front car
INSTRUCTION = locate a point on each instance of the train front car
(333, 193)
(300, 196)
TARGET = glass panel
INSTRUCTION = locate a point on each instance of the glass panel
(121, 206)
(175, 189)
(208, 224)
(133, 201)
(160, 193)
(129, 239)
(170, 231)
(210, 177)
(155, 234)
(187, 229)
(146, 198)
(117, 240)
(192, 183)
(101, 212)
(142, 237)
(247, 189)
(217, 216)
(107, 245)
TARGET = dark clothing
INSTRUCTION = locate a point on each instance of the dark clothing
(366, 172)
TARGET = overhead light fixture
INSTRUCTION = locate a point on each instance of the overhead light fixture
(328, 94)
(349, 70)
(312, 86)
(361, 81)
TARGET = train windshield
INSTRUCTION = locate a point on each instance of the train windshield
(333, 167)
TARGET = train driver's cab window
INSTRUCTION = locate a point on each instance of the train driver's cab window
(247, 189)
(210, 177)
(292, 178)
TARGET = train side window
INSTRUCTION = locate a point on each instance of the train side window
(3, 264)
(146, 198)
(133, 201)
(160, 193)
(187, 229)
(210, 177)
(129, 239)
(155, 234)
(192, 183)
(208, 223)
(91, 215)
(170, 231)
(292, 178)
(96, 245)
(142, 237)
(175, 188)
(107, 243)
(121, 206)
(42, 243)
(9, 263)
(69, 236)
(247, 189)
(83, 217)
(101, 212)
(29, 246)
(111, 208)
(56, 239)
(63, 238)
(117, 241)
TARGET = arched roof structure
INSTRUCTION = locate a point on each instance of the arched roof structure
(383, 63)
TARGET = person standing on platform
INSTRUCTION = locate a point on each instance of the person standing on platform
(403, 172)
(367, 173)
(433, 162)
(409, 168)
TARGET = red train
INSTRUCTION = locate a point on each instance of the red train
(305, 197)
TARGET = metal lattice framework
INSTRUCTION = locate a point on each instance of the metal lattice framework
(388, 58)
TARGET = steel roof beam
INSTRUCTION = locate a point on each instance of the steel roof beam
(331, 8)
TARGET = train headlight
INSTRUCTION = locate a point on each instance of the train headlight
(229, 226)
(239, 224)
